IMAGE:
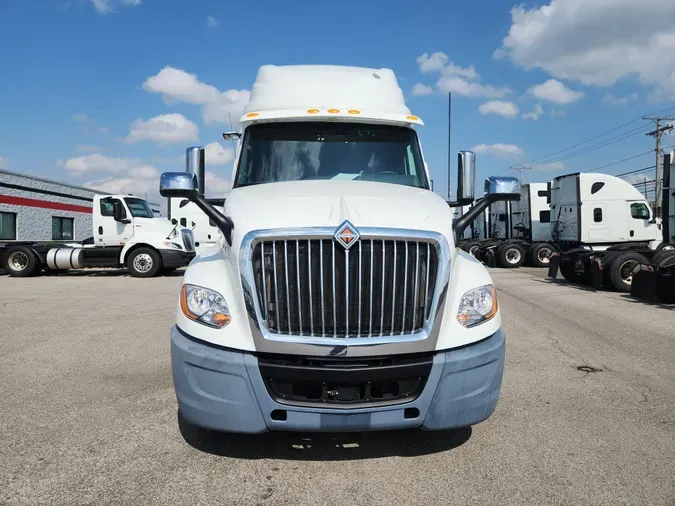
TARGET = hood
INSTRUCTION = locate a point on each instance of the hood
(328, 203)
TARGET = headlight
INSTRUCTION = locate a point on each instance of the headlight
(173, 245)
(204, 306)
(477, 306)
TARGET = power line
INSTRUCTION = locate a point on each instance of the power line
(620, 161)
(599, 145)
(597, 136)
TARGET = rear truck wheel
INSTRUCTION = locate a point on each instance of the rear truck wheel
(607, 260)
(22, 262)
(621, 267)
(511, 256)
(473, 249)
(144, 263)
(660, 257)
(540, 254)
(569, 272)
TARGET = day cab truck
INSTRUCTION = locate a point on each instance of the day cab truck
(336, 299)
(518, 231)
(605, 229)
(126, 233)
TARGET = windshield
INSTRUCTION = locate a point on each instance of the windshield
(301, 151)
(139, 208)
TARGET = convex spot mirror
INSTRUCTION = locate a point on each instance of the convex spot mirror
(177, 184)
(506, 187)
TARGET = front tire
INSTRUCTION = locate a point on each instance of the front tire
(22, 262)
(144, 263)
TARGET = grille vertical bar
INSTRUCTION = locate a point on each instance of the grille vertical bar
(397, 279)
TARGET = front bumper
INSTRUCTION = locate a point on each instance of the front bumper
(175, 258)
(223, 390)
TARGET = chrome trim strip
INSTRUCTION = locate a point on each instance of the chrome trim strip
(297, 276)
(309, 278)
(425, 340)
(288, 291)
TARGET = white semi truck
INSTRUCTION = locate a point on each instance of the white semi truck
(126, 233)
(518, 231)
(336, 298)
(605, 229)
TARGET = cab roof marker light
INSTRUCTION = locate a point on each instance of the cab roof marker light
(333, 111)
(312, 111)
(252, 115)
(354, 111)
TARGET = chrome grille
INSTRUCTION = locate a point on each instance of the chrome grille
(314, 287)
(188, 240)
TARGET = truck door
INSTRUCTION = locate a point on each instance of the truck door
(639, 226)
(596, 220)
(107, 231)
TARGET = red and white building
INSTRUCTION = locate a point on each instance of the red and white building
(37, 209)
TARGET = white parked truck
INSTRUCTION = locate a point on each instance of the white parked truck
(605, 228)
(126, 233)
(336, 299)
(519, 231)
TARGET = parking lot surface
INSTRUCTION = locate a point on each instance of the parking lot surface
(586, 416)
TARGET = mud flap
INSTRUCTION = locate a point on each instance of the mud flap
(594, 274)
(490, 259)
(643, 284)
(554, 265)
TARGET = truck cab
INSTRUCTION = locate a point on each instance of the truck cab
(336, 298)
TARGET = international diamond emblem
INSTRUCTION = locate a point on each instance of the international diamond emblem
(347, 235)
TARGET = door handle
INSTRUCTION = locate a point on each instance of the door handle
(100, 230)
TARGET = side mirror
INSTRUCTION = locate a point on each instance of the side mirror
(466, 177)
(496, 189)
(185, 184)
(119, 214)
(231, 136)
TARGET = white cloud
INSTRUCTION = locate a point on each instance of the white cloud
(433, 63)
(611, 99)
(216, 154)
(4, 163)
(499, 150)
(103, 164)
(456, 79)
(211, 22)
(164, 129)
(549, 167)
(176, 85)
(499, 107)
(107, 6)
(420, 89)
(556, 92)
(464, 87)
(596, 42)
(535, 114)
(216, 186)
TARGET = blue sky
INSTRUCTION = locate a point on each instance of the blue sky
(83, 82)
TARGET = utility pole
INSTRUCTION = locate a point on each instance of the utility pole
(520, 170)
(657, 135)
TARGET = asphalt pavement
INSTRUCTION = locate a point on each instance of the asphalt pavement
(586, 415)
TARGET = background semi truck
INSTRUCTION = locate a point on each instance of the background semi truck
(336, 298)
(517, 232)
(126, 233)
(605, 229)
